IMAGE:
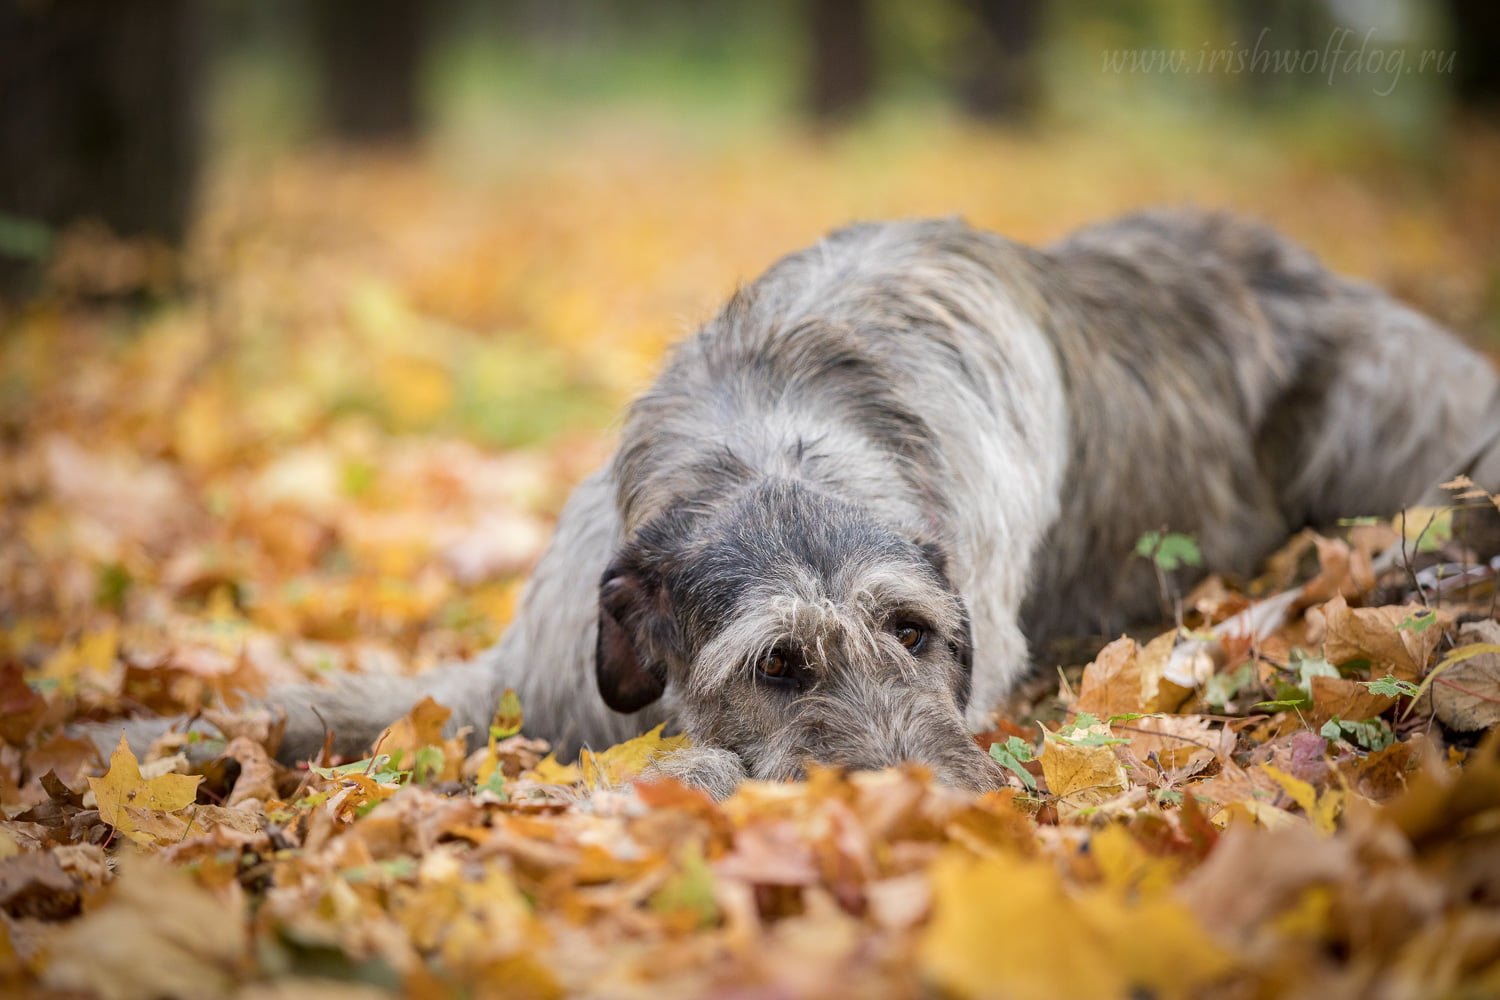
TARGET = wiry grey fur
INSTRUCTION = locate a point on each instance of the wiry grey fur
(919, 422)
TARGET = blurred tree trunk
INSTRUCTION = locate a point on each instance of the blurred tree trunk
(1476, 43)
(842, 71)
(1288, 25)
(99, 115)
(370, 57)
(1001, 78)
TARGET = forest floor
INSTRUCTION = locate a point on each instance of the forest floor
(333, 436)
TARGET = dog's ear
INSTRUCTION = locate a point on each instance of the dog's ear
(635, 629)
(962, 644)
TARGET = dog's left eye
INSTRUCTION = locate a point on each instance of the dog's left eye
(911, 636)
(775, 666)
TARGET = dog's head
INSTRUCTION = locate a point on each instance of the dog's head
(790, 627)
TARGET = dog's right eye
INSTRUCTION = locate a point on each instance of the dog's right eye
(775, 666)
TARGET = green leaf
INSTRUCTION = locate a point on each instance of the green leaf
(1011, 755)
(1372, 734)
(378, 767)
(1221, 688)
(1132, 716)
(1089, 739)
(1308, 667)
(496, 784)
(508, 717)
(427, 765)
(1418, 622)
(1169, 551)
(690, 888)
(1281, 703)
(1392, 687)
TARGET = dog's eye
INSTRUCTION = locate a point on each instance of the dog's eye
(911, 636)
(776, 665)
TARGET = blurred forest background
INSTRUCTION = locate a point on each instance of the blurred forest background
(312, 311)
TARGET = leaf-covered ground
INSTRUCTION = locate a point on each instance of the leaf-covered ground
(333, 439)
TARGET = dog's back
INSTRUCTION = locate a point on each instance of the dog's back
(1224, 383)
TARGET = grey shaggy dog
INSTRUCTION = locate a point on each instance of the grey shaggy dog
(836, 519)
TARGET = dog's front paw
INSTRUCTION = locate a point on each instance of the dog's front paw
(718, 772)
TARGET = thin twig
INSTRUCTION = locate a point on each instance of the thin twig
(1406, 563)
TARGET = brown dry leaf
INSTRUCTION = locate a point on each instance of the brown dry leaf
(257, 780)
(1214, 600)
(1184, 744)
(1237, 784)
(20, 707)
(1393, 639)
(1350, 700)
(65, 756)
(1164, 691)
(769, 854)
(1343, 571)
(1466, 695)
(1441, 799)
(421, 727)
(156, 934)
(1382, 774)
(35, 886)
(1253, 875)
(1125, 679)
(140, 808)
(1111, 684)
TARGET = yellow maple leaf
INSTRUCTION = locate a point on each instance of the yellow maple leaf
(626, 760)
(1080, 775)
(549, 772)
(134, 805)
(1095, 943)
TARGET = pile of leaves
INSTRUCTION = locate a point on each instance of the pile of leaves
(334, 438)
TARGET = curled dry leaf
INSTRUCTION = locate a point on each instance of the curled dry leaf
(1398, 640)
(1466, 696)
